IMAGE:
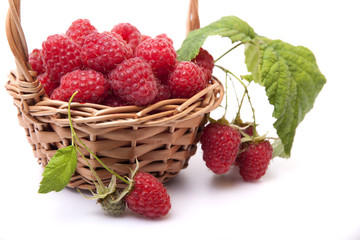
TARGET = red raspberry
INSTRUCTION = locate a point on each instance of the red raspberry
(249, 131)
(60, 56)
(164, 36)
(144, 37)
(92, 87)
(133, 82)
(103, 51)
(79, 29)
(112, 101)
(254, 159)
(56, 94)
(36, 62)
(129, 33)
(163, 93)
(160, 54)
(205, 61)
(220, 144)
(148, 197)
(186, 80)
(48, 84)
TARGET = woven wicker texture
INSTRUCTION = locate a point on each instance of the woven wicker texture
(162, 136)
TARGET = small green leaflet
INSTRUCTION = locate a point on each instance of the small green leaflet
(278, 149)
(292, 81)
(230, 26)
(59, 170)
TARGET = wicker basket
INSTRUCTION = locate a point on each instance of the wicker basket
(162, 136)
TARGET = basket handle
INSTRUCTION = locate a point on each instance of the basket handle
(17, 41)
(193, 20)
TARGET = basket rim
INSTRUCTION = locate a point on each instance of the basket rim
(100, 116)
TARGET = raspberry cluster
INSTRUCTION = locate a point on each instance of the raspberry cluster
(117, 67)
(223, 148)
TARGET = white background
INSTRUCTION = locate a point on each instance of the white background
(312, 195)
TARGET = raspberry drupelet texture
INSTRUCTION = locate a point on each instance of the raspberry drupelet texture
(254, 159)
(112, 101)
(79, 29)
(111, 207)
(186, 80)
(165, 36)
(163, 92)
(36, 62)
(160, 54)
(48, 84)
(148, 197)
(206, 61)
(144, 37)
(220, 145)
(103, 51)
(129, 33)
(134, 82)
(92, 87)
(60, 56)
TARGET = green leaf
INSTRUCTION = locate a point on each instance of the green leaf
(292, 82)
(59, 170)
(253, 58)
(231, 27)
(278, 149)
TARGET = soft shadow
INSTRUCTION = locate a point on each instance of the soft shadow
(177, 182)
(227, 180)
(130, 214)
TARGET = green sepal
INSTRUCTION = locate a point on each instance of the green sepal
(101, 190)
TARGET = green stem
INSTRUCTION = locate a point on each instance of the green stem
(227, 52)
(236, 95)
(241, 103)
(226, 95)
(70, 121)
(246, 92)
(102, 164)
(74, 136)
(227, 71)
(253, 111)
(91, 168)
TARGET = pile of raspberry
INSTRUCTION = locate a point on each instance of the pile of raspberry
(117, 67)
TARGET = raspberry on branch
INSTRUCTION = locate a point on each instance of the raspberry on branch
(148, 196)
(254, 159)
(220, 144)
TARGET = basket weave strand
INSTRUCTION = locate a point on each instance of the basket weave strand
(162, 136)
